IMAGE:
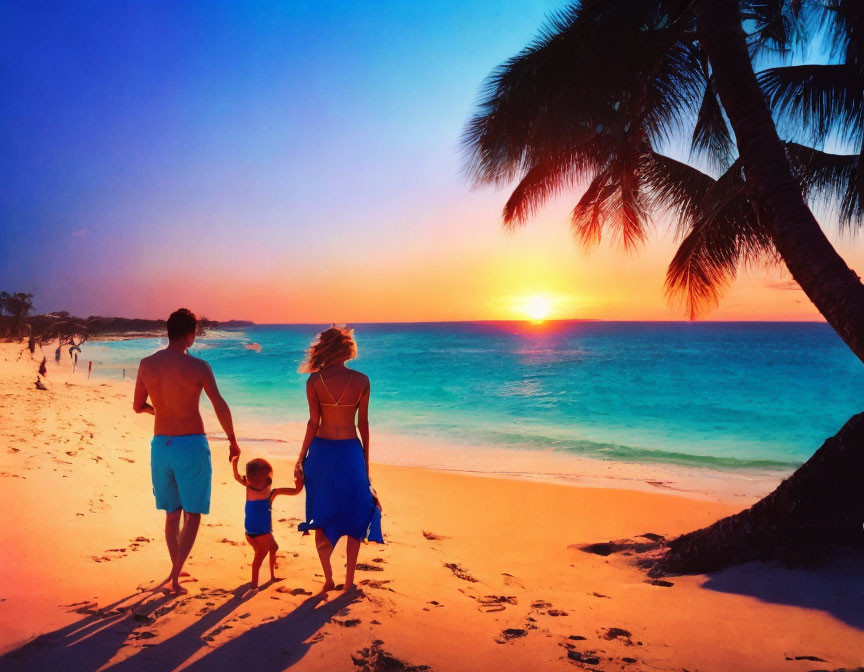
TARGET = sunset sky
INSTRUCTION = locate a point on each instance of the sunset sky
(290, 162)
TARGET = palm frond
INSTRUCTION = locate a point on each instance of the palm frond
(717, 224)
(711, 135)
(812, 101)
(676, 187)
(830, 179)
(776, 25)
(576, 106)
(843, 21)
(539, 183)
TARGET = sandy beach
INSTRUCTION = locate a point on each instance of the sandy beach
(477, 573)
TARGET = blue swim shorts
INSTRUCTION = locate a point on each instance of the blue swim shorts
(181, 471)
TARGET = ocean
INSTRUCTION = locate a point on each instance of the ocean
(725, 396)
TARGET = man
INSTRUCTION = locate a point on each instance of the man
(180, 455)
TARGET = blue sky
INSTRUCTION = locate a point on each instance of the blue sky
(132, 131)
(155, 153)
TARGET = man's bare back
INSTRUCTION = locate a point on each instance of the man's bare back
(174, 381)
(180, 462)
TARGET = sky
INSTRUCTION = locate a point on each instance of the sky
(291, 162)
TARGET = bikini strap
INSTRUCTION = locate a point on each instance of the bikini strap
(345, 391)
(332, 398)
(321, 378)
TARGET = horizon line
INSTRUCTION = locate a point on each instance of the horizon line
(534, 322)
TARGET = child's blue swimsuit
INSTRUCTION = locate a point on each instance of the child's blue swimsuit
(258, 518)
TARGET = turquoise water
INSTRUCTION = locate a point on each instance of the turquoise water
(720, 395)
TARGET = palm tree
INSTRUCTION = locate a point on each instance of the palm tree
(596, 97)
(16, 305)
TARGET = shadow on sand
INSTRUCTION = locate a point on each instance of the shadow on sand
(91, 642)
(836, 588)
(277, 644)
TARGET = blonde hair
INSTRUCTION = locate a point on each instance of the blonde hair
(332, 345)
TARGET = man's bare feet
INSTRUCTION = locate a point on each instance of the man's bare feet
(251, 590)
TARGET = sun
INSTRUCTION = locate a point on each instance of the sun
(535, 308)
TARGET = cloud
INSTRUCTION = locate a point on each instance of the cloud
(785, 285)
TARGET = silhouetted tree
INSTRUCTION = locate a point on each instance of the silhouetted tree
(605, 86)
(16, 306)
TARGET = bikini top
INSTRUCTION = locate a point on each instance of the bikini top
(321, 378)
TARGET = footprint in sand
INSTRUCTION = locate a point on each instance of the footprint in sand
(109, 555)
(348, 622)
(375, 583)
(364, 567)
(293, 591)
(375, 659)
(460, 572)
(431, 536)
(508, 634)
(510, 580)
(493, 603)
(223, 540)
(589, 657)
(136, 543)
(659, 582)
(210, 637)
(618, 633)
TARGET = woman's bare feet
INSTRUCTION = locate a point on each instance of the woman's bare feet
(351, 589)
(175, 589)
(328, 586)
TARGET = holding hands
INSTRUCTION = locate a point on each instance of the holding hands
(233, 449)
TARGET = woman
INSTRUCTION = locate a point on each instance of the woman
(333, 461)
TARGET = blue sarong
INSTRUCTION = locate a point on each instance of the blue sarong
(338, 495)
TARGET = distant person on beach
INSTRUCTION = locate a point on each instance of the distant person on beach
(180, 455)
(57, 355)
(333, 461)
(259, 518)
(43, 367)
(31, 344)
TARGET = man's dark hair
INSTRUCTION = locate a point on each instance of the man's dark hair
(182, 322)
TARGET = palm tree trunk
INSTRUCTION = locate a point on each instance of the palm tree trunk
(829, 283)
(819, 507)
(820, 504)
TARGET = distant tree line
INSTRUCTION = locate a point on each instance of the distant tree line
(16, 323)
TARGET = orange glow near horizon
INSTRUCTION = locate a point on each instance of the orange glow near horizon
(536, 308)
(466, 270)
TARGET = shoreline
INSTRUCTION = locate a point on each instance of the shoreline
(476, 573)
(740, 485)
